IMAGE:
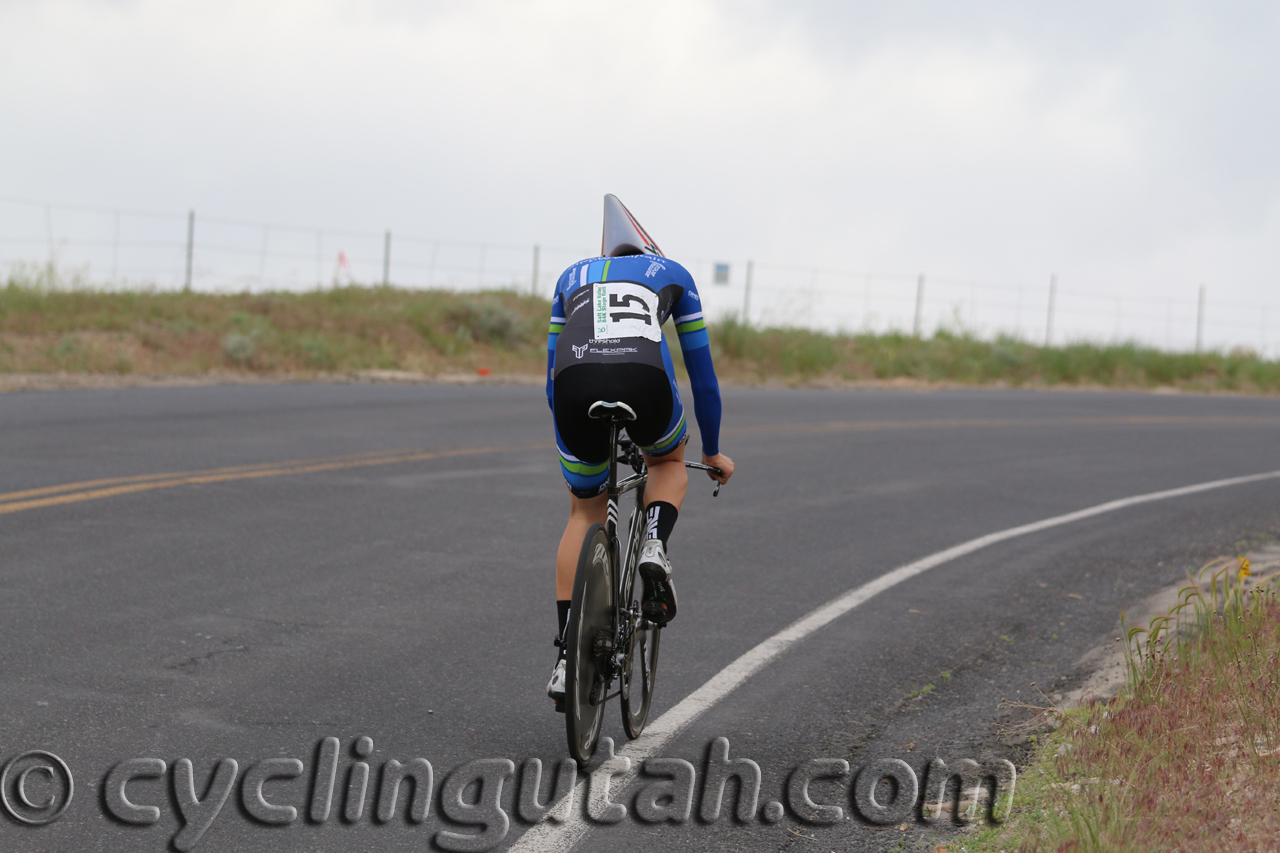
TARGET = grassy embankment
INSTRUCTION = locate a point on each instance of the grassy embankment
(1186, 759)
(50, 329)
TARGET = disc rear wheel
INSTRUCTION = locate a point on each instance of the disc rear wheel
(589, 635)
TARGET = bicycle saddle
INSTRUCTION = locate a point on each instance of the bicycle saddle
(600, 410)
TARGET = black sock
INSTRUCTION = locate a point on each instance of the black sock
(660, 518)
(562, 615)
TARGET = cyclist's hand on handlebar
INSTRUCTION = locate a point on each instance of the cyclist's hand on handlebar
(724, 463)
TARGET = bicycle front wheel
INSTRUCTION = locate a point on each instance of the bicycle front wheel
(640, 677)
(590, 638)
(640, 671)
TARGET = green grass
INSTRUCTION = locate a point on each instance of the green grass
(48, 326)
(1188, 758)
(80, 330)
(948, 357)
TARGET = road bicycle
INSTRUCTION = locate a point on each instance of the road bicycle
(608, 637)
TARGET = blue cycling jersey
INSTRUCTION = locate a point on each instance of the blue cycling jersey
(668, 291)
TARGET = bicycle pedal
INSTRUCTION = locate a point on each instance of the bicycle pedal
(656, 612)
(559, 703)
(555, 641)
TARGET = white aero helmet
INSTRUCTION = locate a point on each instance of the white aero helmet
(622, 234)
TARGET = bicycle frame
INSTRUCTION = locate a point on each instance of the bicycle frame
(626, 620)
(625, 651)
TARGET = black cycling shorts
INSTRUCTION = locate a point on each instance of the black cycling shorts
(658, 428)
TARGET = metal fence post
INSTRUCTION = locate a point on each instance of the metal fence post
(115, 250)
(191, 239)
(746, 295)
(48, 231)
(1053, 294)
(919, 304)
(1200, 322)
(386, 260)
(534, 286)
(262, 259)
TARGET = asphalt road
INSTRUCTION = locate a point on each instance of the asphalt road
(398, 587)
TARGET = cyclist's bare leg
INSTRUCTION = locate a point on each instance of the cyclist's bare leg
(583, 512)
(668, 478)
(668, 482)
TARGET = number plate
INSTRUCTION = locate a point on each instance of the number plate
(625, 310)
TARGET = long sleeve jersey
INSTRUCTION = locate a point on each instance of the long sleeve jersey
(627, 313)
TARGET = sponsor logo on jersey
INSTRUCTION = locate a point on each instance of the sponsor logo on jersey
(654, 266)
(576, 300)
(578, 351)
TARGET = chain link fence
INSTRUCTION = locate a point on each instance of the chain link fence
(121, 248)
(1041, 312)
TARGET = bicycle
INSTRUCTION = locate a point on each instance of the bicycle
(607, 632)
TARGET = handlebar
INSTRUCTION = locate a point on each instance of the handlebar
(699, 466)
(629, 454)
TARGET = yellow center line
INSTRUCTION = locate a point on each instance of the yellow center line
(89, 490)
(221, 475)
(141, 478)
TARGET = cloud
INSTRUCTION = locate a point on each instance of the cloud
(998, 143)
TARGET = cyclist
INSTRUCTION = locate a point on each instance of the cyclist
(606, 343)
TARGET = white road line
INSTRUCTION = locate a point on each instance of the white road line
(548, 837)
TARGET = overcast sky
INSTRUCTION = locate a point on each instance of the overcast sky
(1127, 145)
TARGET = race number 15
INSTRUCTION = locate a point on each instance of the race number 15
(625, 310)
